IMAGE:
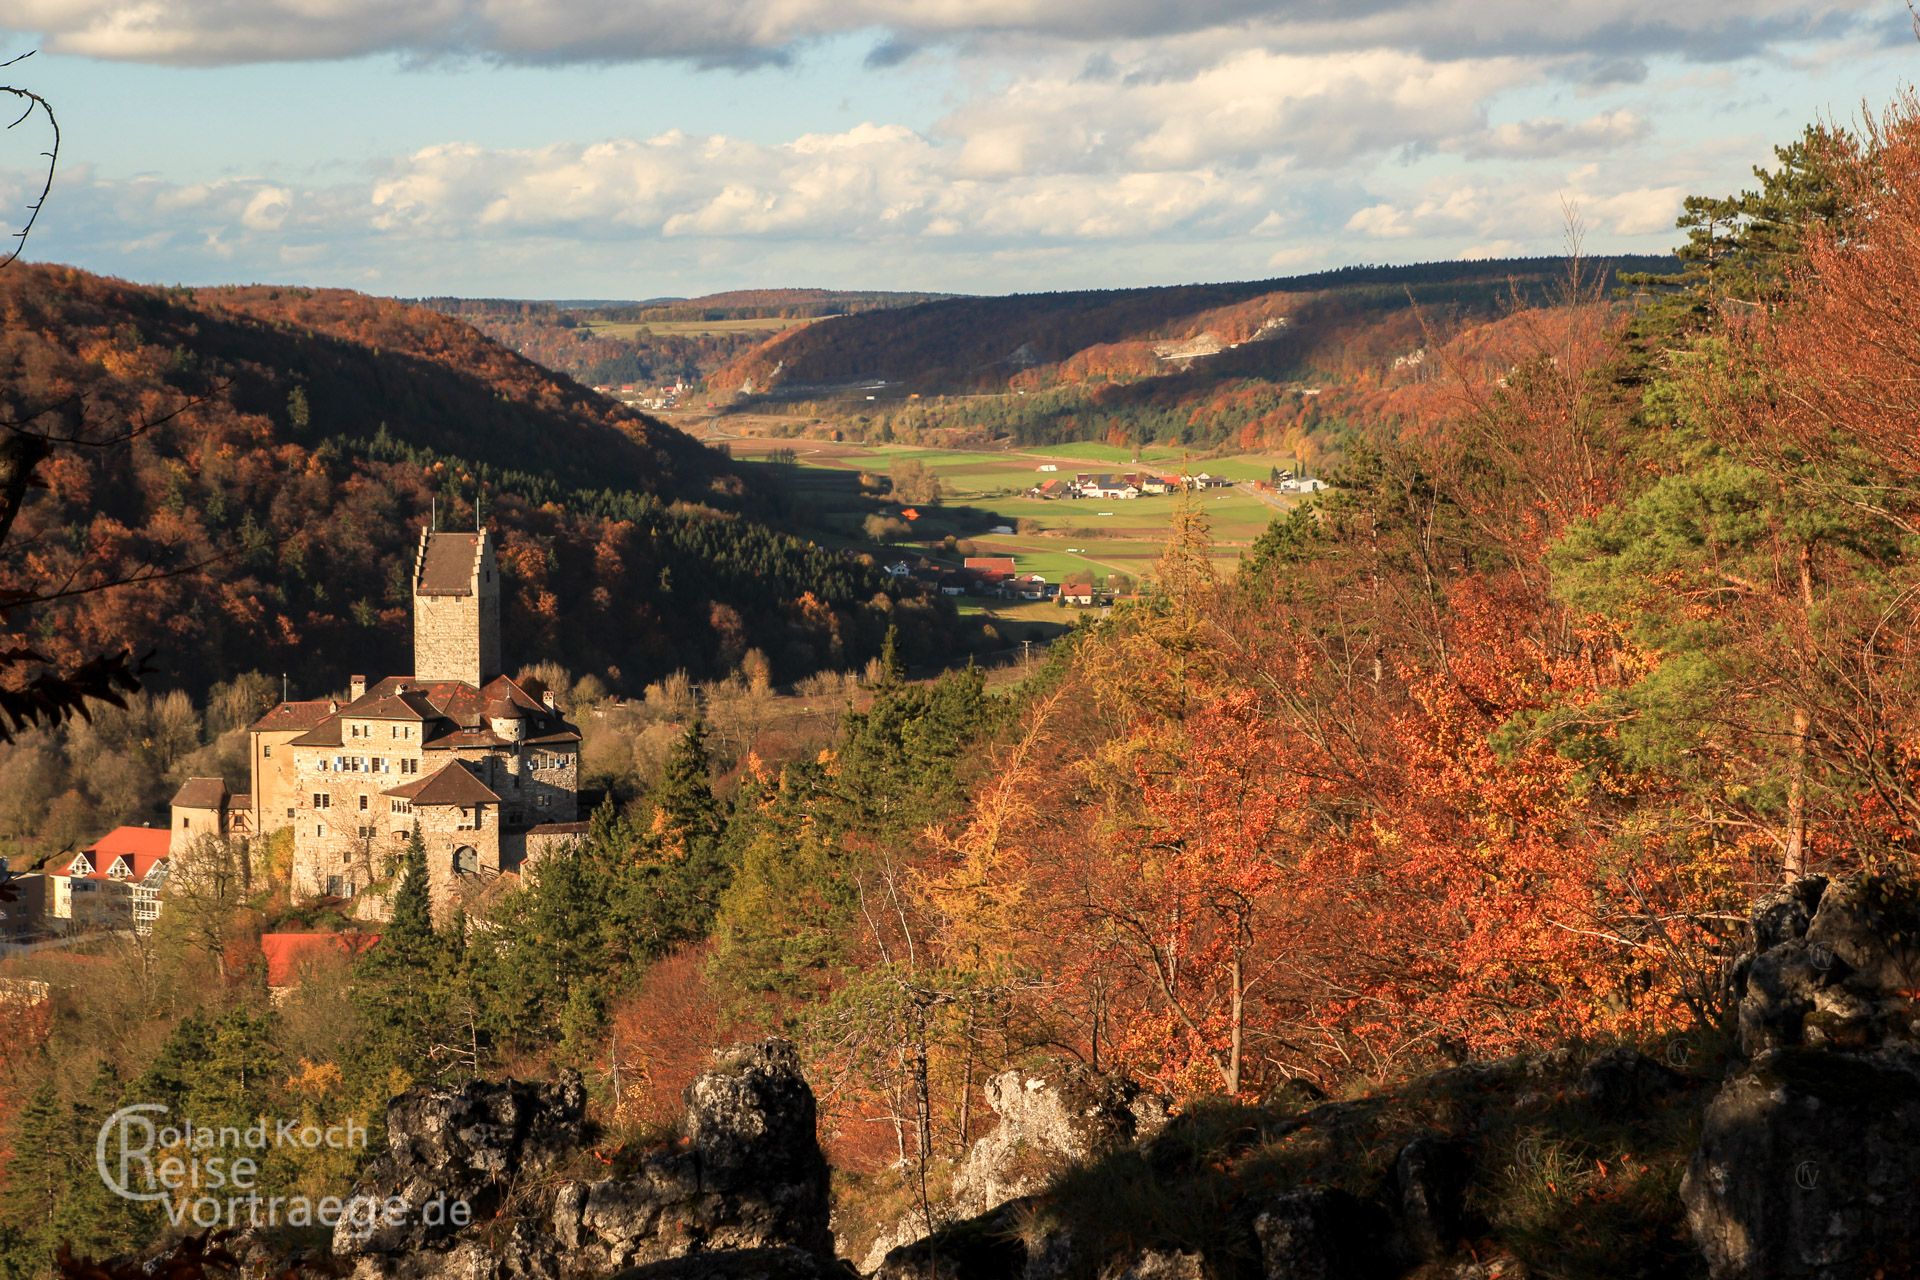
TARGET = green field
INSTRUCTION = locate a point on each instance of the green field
(1057, 538)
(1093, 451)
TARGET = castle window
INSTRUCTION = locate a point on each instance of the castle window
(321, 800)
(266, 749)
(466, 861)
(363, 803)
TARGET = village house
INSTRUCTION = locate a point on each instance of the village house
(1077, 592)
(1107, 487)
(487, 768)
(988, 575)
(24, 907)
(204, 806)
(113, 883)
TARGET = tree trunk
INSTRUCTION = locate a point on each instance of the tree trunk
(1239, 1031)
(1795, 862)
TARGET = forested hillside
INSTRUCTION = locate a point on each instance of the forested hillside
(679, 339)
(1483, 751)
(263, 460)
(1275, 364)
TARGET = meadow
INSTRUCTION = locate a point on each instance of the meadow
(1056, 538)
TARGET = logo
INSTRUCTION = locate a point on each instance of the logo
(209, 1176)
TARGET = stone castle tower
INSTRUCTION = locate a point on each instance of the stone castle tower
(456, 608)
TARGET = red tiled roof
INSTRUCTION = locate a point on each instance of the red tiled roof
(411, 705)
(152, 841)
(293, 715)
(285, 951)
(455, 784)
(142, 847)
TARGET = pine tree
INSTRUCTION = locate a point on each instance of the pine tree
(409, 940)
(38, 1176)
(400, 983)
(1740, 248)
(686, 813)
(892, 672)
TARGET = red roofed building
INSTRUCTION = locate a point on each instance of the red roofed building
(290, 956)
(114, 883)
(990, 572)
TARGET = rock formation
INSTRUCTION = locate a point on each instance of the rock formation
(1047, 1122)
(745, 1189)
(1808, 1163)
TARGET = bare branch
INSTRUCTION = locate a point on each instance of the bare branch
(32, 102)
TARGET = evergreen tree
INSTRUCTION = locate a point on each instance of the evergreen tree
(685, 810)
(408, 940)
(1741, 248)
(893, 672)
(38, 1176)
(401, 983)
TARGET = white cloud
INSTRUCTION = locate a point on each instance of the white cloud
(203, 32)
(267, 210)
(1537, 138)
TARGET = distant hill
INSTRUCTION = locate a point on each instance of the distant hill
(1142, 362)
(982, 344)
(617, 343)
(320, 427)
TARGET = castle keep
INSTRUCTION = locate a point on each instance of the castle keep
(489, 769)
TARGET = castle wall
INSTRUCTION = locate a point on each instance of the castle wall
(346, 834)
(445, 831)
(341, 848)
(275, 780)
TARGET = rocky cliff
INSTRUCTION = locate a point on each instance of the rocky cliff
(1787, 1150)
(746, 1180)
(1809, 1156)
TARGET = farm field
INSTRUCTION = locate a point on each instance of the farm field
(982, 492)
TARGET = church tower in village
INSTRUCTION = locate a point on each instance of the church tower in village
(456, 608)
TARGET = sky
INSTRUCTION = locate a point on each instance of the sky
(602, 149)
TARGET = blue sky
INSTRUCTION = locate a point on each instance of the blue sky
(585, 148)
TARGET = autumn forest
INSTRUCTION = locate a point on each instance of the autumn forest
(1603, 628)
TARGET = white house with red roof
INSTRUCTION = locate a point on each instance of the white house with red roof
(113, 883)
(487, 768)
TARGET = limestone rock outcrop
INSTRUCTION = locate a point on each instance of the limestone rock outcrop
(1809, 1156)
(1047, 1123)
(744, 1190)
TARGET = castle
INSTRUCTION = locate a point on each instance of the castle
(488, 769)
